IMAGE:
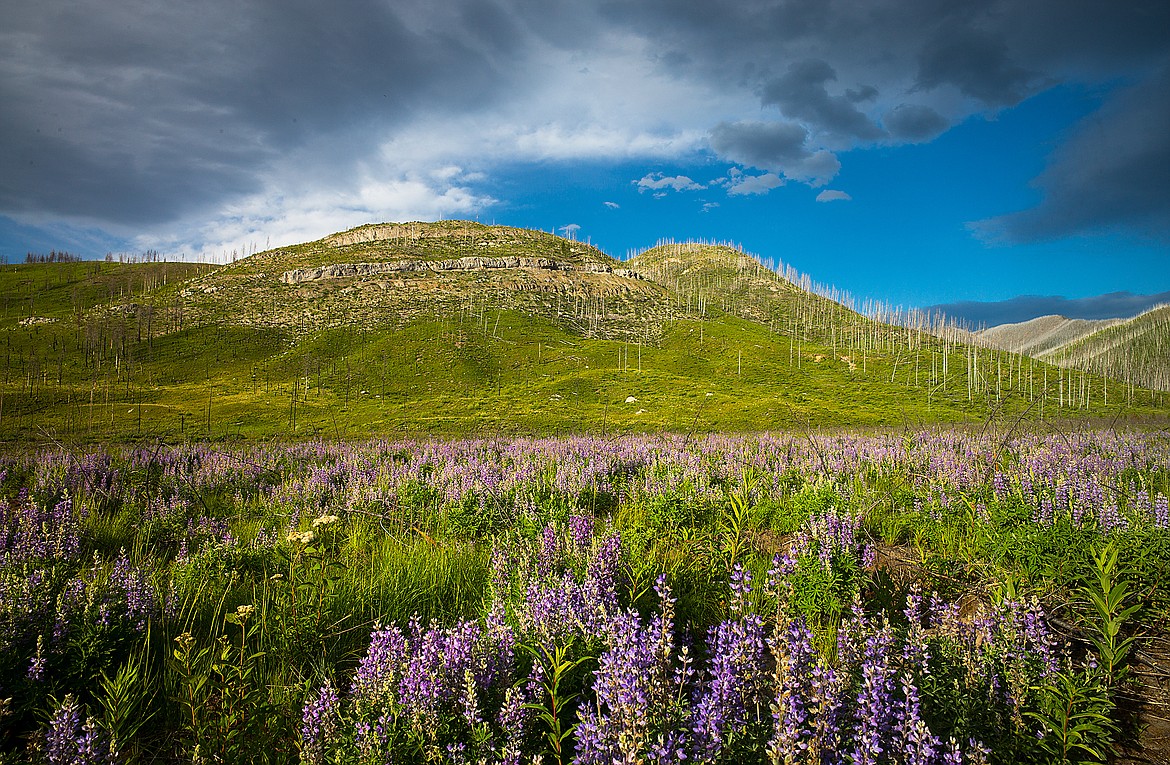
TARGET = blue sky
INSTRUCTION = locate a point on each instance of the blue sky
(996, 158)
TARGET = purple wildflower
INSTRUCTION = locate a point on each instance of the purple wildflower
(876, 705)
(581, 532)
(731, 699)
(914, 738)
(319, 723)
(36, 667)
(741, 588)
(68, 741)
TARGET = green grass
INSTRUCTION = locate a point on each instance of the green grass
(61, 290)
(135, 352)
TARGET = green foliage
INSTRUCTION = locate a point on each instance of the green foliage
(475, 516)
(1077, 715)
(814, 498)
(822, 592)
(304, 613)
(126, 701)
(738, 519)
(1079, 708)
(227, 715)
(1109, 614)
(553, 711)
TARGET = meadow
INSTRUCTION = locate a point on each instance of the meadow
(939, 596)
(132, 352)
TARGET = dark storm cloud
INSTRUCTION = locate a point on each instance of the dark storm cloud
(776, 146)
(766, 145)
(800, 93)
(1112, 175)
(1115, 305)
(133, 112)
(914, 122)
(924, 65)
(139, 112)
(977, 63)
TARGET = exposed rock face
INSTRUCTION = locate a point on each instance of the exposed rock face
(348, 270)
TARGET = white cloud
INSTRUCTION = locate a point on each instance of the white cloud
(660, 183)
(612, 205)
(831, 195)
(753, 184)
(274, 219)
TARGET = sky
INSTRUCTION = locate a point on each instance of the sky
(986, 157)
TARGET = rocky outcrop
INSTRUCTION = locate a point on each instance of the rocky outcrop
(359, 270)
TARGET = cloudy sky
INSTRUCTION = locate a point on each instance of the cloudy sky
(920, 152)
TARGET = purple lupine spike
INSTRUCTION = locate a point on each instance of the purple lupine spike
(916, 652)
(550, 554)
(320, 721)
(794, 704)
(876, 705)
(581, 532)
(61, 736)
(69, 741)
(36, 667)
(914, 739)
(376, 680)
(741, 588)
(635, 696)
(732, 695)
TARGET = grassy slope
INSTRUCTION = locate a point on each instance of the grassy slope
(60, 290)
(105, 374)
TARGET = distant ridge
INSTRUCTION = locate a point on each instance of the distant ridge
(1135, 350)
(1043, 334)
(1023, 308)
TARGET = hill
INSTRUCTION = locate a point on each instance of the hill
(1136, 350)
(460, 328)
(1043, 334)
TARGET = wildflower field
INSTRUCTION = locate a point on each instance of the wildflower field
(918, 597)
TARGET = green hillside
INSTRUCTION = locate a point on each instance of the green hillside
(459, 328)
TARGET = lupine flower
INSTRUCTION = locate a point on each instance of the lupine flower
(638, 708)
(319, 725)
(876, 705)
(731, 699)
(581, 532)
(914, 739)
(36, 667)
(69, 741)
(741, 587)
(794, 705)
